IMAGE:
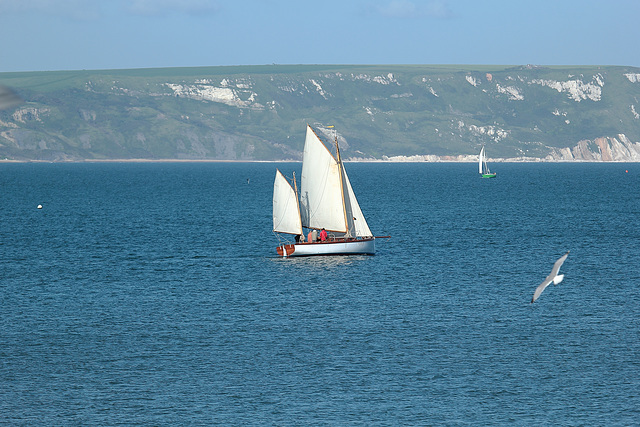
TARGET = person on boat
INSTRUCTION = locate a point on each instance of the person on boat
(312, 236)
(323, 235)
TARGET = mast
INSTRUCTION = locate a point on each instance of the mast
(341, 171)
(295, 189)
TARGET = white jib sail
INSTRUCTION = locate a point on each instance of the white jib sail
(321, 200)
(481, 160)
(357, 225)
(286, 212)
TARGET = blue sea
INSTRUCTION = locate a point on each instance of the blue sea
(151, 294)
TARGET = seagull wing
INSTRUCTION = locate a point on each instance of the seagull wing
(557, 265)
(550, 277)
(541, 287)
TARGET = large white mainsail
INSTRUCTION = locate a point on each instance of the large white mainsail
(321, 200)
(286, 211)
(481, 161)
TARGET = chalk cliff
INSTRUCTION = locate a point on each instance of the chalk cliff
(392, 113)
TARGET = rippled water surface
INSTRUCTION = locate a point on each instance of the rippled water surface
(151, 294)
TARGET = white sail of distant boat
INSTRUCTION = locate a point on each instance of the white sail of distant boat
(327, 202)
(483, 168)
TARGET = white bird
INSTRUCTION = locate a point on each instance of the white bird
(552, 277)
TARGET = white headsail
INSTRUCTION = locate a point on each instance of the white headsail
(357, 224)
(286, 211)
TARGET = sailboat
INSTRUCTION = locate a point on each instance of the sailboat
(483, 169)
(327, 202)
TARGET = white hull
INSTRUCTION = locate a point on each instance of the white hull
(333, 247)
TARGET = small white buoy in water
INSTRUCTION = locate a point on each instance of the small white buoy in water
(39, 206)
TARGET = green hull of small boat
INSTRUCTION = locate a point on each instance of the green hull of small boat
(488, 175)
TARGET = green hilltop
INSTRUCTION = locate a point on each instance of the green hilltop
(423, 112)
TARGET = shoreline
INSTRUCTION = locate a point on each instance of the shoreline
(496, 160)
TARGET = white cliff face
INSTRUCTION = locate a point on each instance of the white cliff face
(6, 134)
(388, 79)
(383, 80)
(576, 89)
(24, 115)
(633, 77)
(606, 149)
(494, 132)
(203, 92)
(236, 92)
(8, 125)
(512, 91)
(319, 89)
(370, 113)
(431, 89)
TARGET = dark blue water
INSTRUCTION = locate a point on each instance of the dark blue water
(151, 294)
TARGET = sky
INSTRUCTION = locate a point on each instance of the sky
(46, 35)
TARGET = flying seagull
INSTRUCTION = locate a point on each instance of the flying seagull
(552, 277)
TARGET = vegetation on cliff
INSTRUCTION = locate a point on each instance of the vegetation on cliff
(380, 112)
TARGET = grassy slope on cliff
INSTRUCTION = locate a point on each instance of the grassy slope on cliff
(259, 112)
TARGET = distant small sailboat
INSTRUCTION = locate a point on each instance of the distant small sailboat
(483, 168)
(327, 205)
(552, 277)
